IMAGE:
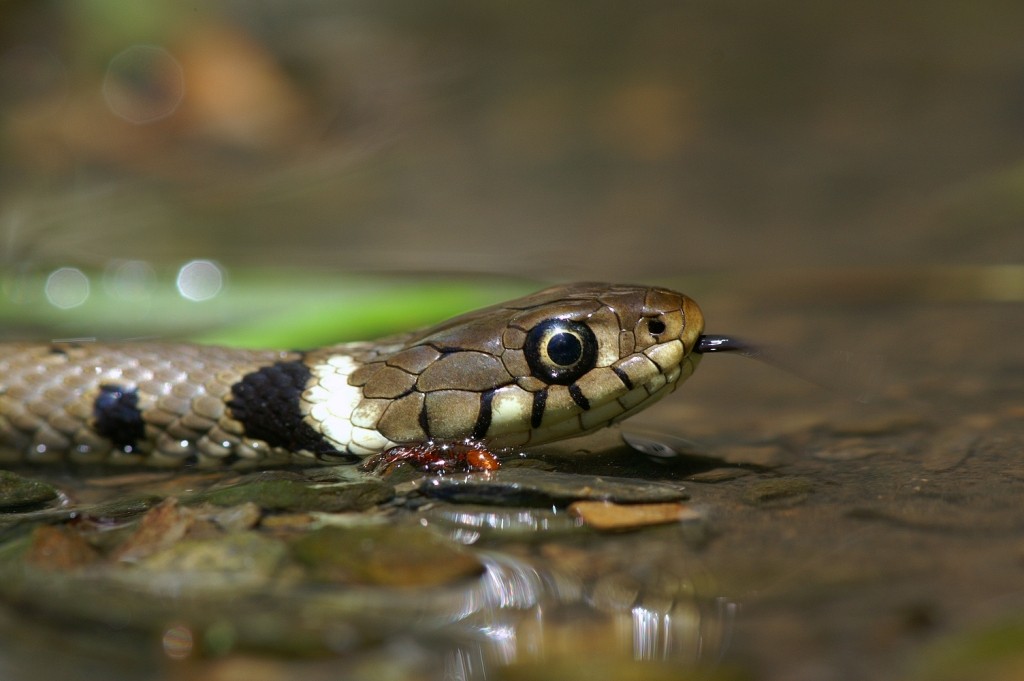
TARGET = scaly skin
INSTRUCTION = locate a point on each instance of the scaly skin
(556, 364)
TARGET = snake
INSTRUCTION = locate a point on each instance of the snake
(559, 363)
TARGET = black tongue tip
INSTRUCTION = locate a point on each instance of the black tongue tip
(710, 343)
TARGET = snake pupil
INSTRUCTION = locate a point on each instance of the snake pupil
(565, 349)
(559, 351)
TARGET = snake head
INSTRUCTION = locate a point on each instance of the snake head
(562, 362)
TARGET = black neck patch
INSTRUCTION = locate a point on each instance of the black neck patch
(116, 416)
(267, 403)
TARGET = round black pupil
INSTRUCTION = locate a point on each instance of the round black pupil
(564, 349)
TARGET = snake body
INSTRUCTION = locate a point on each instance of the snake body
(559, 363)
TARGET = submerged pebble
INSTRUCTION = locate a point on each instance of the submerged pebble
(383, 555)
(237, 560)
(296, 496)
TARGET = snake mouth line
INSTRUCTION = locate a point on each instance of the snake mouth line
(601, 414)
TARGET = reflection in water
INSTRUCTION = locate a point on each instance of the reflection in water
(519, 613)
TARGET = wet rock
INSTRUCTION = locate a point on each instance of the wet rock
(121, 509)
(22, 494)
(238, 560)
(778, 491)
(55, 547)
(383, 555)
(342, 473)
(530, 487)
(296, 496)
(467, 523)
(604, 515)
(161, 527)
(233, 518)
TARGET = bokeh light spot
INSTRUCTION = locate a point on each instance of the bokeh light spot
(143, 84)
(200, 280)
(67, 287)
(178, 642)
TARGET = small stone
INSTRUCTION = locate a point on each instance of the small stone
(21, 494)
(161, 527)
(603, 515)
(58, 548)
(384, 555)
(233, 518)
(295, 496)
(238, 560)
(784, 490)
(121, 509)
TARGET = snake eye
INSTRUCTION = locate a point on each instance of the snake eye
(560, 350)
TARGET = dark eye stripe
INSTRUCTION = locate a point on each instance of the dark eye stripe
(540, 400)
(624, 377)
(578, 397)
(483, 420)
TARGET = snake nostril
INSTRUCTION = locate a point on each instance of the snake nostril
(655, 326)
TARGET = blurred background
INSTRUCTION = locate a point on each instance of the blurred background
(827, 175)
(548, 141)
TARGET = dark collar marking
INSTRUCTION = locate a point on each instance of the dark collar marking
(267, 403)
